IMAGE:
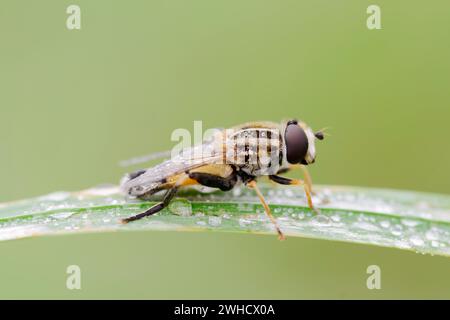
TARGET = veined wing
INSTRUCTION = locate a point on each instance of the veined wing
(151, 156)
(145, 180)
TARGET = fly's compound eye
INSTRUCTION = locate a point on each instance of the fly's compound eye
(296, 144)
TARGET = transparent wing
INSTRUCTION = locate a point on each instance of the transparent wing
(187, 159)
(154, 155)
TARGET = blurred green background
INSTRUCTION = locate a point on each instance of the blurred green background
(75, 103)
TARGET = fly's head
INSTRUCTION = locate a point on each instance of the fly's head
(300, 142)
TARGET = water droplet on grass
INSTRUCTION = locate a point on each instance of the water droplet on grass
(416, 240)
(385, 224)
(320, 220)
(246, 207)
(335, 218)
(244, 222)
(288, 193)
(181, 207)
(215, 221)
(62, 215)
(366, 226)
(409, 223)
(237, 192)
(431, 235)
(435, 244)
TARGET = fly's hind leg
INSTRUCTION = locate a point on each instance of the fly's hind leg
(168, 196)
(295, 182)
(252, 185)
(156, 208)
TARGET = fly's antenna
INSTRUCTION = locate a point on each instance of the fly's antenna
(325, 131)
(145, 158)
(322, 133)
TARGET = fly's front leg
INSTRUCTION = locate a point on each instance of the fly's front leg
(295, 182)
(252, 185)
(306, 174)
(308, 180)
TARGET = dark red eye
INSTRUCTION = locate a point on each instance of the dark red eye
(296, 144)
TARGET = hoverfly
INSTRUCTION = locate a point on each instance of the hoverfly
(239, 155)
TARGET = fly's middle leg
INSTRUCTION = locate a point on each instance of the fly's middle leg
(252, 185)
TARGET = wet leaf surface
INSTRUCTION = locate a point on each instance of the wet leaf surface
(399, 219)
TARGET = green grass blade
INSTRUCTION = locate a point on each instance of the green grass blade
(399, 219)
